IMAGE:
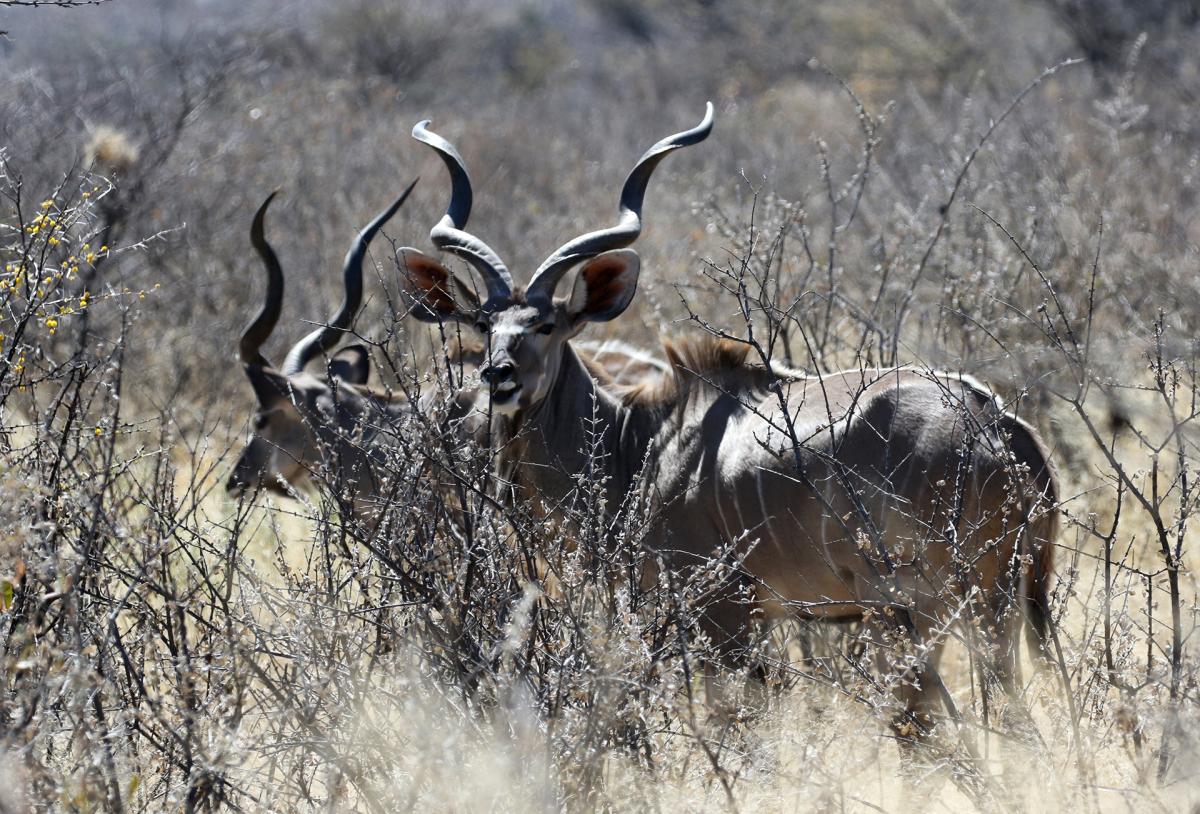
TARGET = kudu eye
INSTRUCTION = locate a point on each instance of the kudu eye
(260, 422)
(546, 328)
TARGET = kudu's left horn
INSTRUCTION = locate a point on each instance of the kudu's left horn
(629, 226)
(260, 328)
(325, 337)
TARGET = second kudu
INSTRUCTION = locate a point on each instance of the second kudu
(305, 421)
(905, 495)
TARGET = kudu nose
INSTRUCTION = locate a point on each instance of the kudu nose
(497, 373)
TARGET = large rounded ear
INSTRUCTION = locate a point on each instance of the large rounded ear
(434, 293)
(352, 364)
(605, 286)
(270, 386)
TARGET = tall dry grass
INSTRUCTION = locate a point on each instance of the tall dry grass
(165, 647)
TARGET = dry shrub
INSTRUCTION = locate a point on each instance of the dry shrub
(164, 647)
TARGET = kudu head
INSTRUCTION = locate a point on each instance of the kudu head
(525, 328)
(299, 413)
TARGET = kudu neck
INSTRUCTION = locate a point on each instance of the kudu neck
(579, 428)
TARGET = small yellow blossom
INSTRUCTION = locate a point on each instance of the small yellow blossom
(47, 204)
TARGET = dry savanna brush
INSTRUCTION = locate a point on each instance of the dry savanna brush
(599, 405)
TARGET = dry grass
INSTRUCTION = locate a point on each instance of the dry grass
(164, 647)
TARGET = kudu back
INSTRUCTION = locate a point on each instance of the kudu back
(903, 496)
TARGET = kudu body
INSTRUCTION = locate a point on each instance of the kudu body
(899, 494)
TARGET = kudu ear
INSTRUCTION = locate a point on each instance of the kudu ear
(270, 386)
(605, 286)
(351, 364)
(435, 294)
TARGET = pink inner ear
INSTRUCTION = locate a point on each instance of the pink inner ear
(603, 277)
(433, 283)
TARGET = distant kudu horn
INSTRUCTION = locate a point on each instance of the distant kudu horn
(449, 235)
(548, 275)
(259, 330)
(325, 337)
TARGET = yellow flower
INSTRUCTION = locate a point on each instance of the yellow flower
(90, 257)
(52, 240)
(47, 204)
(99, 431)
(51, 323)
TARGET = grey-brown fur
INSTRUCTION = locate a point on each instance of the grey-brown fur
(902, 493)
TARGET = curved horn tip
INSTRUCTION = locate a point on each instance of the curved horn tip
(421, 131)
(704, 128)
(262, 207)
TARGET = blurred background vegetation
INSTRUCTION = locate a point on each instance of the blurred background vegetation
(196, 110)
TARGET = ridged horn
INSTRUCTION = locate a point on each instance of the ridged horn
(325, 337)
(629, 226)
(449, 235)
(260, 328)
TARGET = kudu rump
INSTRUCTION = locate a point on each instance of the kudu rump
(904, 495)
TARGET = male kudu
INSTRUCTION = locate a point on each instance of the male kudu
(901, 494)
(303, 421)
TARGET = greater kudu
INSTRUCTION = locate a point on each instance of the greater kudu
(901, 494)
(304, 421)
